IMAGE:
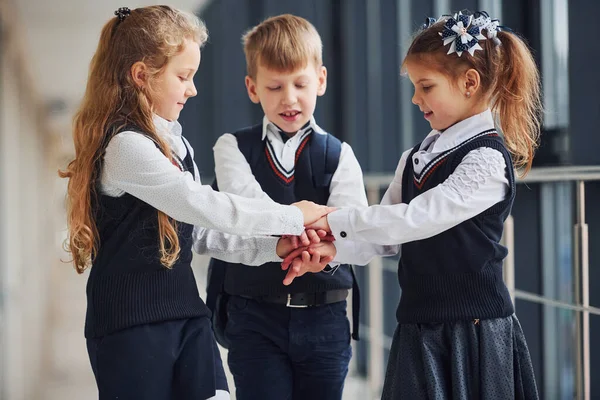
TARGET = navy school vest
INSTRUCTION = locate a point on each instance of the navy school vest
(317, 159)
(457, 274)
(128, 285)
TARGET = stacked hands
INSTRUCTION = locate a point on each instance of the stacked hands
(313, 249)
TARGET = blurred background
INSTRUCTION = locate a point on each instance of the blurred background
(553, 269)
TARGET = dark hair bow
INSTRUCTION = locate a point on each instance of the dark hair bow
(428, 22)
(462, 34)
(122, 13)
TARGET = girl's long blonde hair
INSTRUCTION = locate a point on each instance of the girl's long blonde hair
(509, 79)
(112, 100)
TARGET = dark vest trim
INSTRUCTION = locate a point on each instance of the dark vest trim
(420, 178)
(283, 174)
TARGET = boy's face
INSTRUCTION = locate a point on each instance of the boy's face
(288, 99)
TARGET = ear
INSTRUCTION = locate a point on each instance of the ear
(139, 74)
(322, 76)
(472, 82)
(251, 87)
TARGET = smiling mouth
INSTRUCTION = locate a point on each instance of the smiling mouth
(289, 114)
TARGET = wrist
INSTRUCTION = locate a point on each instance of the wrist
(283, 247)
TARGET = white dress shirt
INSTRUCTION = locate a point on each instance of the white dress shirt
(476, 184)
(234, 174)
(133, 164)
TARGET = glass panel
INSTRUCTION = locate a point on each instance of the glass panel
(558, 284)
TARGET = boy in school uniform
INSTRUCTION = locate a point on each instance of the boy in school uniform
(286, 342)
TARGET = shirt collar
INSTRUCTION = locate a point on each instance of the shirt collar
(459, 132)
(164, 127)
(268, 125)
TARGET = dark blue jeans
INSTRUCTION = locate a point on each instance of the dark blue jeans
(171, 360)
(281, 353)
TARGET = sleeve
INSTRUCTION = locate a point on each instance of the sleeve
(233, 172)
(133, 164)
(347, 188)
(236, 249)
(477, 183)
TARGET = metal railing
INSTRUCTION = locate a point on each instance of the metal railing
(379, 342)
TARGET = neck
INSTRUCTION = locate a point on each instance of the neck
(477, 109)
(471, 113)
(292, 134)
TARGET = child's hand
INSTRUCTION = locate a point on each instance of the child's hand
(311, 259)
(308, 237)
(320, 224)
(312, 212)
(289, 243)
(285, 246)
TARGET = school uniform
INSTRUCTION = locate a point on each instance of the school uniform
(457, 334)
(148, 332)
(288, 342)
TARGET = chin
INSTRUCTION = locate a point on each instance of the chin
(438, 127)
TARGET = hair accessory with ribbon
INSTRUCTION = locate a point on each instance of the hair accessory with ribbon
(482, 20)
(428, 22)
(122, 13)
(461, 34)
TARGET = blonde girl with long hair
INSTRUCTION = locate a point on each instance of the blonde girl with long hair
(134, 196)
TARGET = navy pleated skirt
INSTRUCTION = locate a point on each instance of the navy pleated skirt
(464, 360)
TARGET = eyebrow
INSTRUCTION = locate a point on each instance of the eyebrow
(422, 79)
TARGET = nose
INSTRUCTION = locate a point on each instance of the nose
(191, 91)
(415, 100)
(289, 96)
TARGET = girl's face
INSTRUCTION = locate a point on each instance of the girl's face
(442, 101)
(175, 84)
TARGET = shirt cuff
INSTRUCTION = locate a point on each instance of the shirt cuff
(292, 220)
(339, 223)
(268, 250)
(345, 252)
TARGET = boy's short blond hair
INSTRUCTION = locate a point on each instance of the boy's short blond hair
(284, 43)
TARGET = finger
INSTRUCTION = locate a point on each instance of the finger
(313, 249)
(315, 258)
(321, 232)
(297, 267)
(328, 238)
(312, 236)
(294, 241)
(289, 277)
(305, 257)
(288, 260)
(304, 239)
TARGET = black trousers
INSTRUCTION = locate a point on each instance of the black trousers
(280, 353)
(172, 360)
